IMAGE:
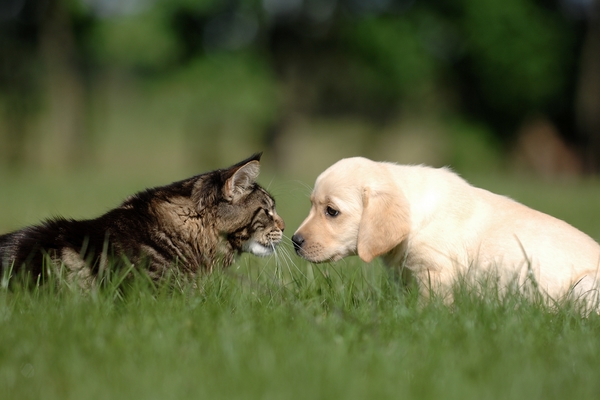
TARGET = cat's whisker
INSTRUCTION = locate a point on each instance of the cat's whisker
(288, 262)
(305, 186)
(275, 255)
(270, 183)
(283, 255)
(282, 259)
(288, 257)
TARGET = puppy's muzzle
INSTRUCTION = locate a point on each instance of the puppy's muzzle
(298, 241)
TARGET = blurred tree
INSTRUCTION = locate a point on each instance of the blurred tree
(588, 90)
(64, 86)
(19, 75)
(499, 62)
(143, 43)
(41, 71)
(519, 61)
(251, 66)
(517, 51)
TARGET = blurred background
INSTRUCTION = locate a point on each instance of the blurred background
(98, 94)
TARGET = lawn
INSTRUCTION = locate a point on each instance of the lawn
(280, 328)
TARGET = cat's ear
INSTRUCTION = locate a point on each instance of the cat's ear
(241, 181)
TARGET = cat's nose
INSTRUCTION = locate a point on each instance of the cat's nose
(279, 223)
(298, 241)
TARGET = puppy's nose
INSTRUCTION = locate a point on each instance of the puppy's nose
(298, 240)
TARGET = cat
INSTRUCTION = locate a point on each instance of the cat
(189, 226)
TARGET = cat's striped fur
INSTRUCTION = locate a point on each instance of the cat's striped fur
(193, 225)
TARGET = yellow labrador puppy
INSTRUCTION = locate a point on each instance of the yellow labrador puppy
(436, 226)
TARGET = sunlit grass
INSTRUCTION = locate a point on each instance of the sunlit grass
(263, 330)
(282, 328)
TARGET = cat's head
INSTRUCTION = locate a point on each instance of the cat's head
(243, 211)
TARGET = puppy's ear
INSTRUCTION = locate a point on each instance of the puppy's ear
(241, 181)
(384, 224)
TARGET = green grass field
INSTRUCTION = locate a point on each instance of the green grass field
(280, 328)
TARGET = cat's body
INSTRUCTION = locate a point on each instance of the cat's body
(188, 226)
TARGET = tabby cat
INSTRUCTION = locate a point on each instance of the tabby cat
(193, 225)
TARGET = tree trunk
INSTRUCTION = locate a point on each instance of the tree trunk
(588, 93)
(63, 124)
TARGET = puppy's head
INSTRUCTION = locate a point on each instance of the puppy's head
(356, 209)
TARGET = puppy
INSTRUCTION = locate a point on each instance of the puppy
(435, 227)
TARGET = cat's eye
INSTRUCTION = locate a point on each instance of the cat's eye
(332, 212)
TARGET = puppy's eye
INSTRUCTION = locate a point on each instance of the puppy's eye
(332, 212)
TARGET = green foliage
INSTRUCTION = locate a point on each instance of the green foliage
(225, 103)
(196, 5)
(393, 48)
(226, 86)
(511, 58)
(142, 40)
(253, 69)
(520, 52)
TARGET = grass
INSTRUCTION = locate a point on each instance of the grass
(285, 329)
(326, 331)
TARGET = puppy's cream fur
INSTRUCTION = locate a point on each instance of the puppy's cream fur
(436, 226)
